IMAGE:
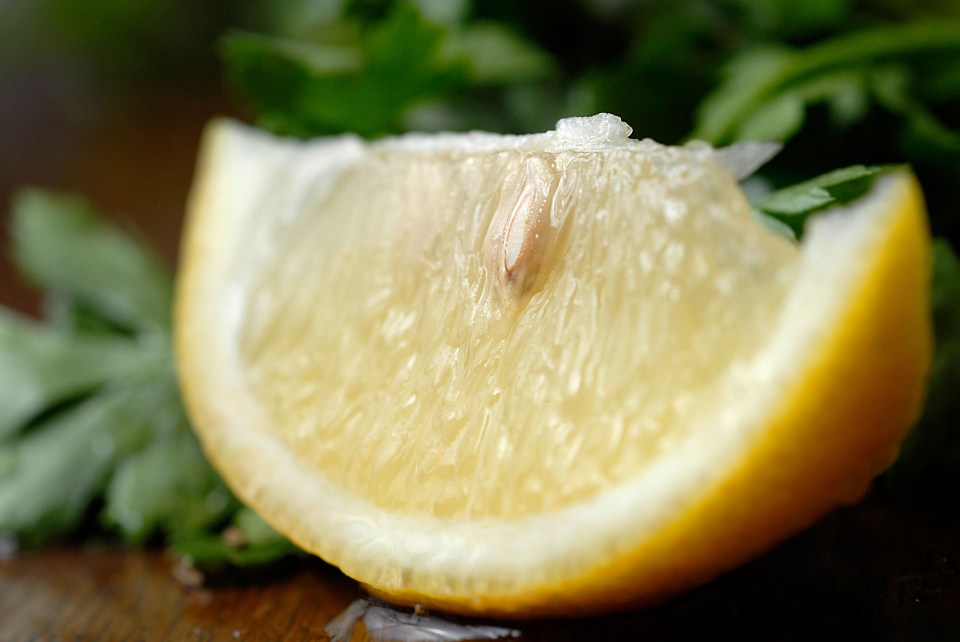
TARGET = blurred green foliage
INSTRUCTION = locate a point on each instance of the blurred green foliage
(92, 427)
(872, 81)
(93, 424)
(793, 205)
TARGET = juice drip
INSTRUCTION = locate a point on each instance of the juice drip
(375, 621)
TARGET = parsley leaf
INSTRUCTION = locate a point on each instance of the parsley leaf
(92, 423)
(247, 541)
(42, 367)
(792, 205)
(366, 87)
(379, 77)
(167, 486)
(62, 246)
(50, 476)
(767, 89)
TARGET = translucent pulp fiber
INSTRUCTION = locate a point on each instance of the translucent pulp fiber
(458, 335)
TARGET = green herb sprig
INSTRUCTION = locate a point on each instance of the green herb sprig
(93, 434)
(378, 78)
(767, 89)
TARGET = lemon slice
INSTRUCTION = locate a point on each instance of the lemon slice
(542, 375)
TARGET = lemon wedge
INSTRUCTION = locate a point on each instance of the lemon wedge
(554, 374)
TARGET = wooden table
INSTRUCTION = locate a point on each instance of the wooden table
(883, 570)
(886, 569)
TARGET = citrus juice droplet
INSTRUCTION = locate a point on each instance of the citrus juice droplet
(376, 621)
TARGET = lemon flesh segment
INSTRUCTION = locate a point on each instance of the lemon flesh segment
(404, 329)
(538, 375)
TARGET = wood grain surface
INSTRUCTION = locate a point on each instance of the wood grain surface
(883, 570)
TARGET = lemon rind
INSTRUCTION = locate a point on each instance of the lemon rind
(520, 563)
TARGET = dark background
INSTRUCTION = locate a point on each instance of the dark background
(104, 111)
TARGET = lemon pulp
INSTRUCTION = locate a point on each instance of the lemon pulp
(539, 375)
(367, 329)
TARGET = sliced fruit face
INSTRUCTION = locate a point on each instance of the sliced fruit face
(549, 374)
